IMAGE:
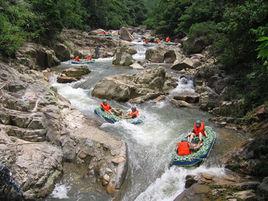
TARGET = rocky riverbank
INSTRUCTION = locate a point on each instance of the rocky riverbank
(40, 130)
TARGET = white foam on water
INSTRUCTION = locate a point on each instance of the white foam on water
(78, 97)
(60, 191)
(104, 59)
(183, 87)
(171, 183)
(140, 55)
(151, 133)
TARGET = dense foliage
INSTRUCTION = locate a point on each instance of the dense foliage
(235, 32)
(42, 20)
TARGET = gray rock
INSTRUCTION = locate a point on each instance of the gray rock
(126, 87)
(187, 97)
(262, 191)
(123, 56)
(155, 55)
(62, 52)
(72, 74)
(180, 65)
(125, 34)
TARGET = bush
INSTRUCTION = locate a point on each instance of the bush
(200, 36)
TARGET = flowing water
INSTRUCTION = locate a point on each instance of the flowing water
(150, 145)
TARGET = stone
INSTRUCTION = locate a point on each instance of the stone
(72, 74)
(262, 191)
(106, 177)
(207, 176)
(46, 58)
(248, 185)
(66, 79)
(155, 55)
(118, 160)
(137, 66)
(181, 103)
(146, 84)
(170, 56)
(200, 189)
(248, 195)
(187, 97)
(190, 180)
(62, 52)
(180, 65)
(124, 34)
(111, 188)
(123, 56)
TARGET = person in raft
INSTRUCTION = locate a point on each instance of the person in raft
(198, 131)
(88, 57)
(168, 40)
(105, 106)
(77, 58)
(133, 113)
(183, 148)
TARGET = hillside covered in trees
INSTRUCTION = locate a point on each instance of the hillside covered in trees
(233, 31)
(43, 19)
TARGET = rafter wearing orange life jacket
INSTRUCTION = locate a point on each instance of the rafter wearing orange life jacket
(183, 148)
(105, 107)
(134, 114)
(200, 129)
(168, 40)
(77, 58)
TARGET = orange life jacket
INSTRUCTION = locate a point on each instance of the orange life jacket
(184, 148)
(134, 114)
(77, 58)
(88, 57)
(200, 129)
(106, 107)
(167, 39)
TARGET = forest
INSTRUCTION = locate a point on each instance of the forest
(235, 32)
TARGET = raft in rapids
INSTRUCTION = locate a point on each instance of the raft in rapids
(82, 61)
(113, 118)
(197, 157)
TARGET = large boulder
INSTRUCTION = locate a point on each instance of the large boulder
(155, 55)
(126, 87)
(172, 56)
(36, 56)
(184, 64)
(72, 74)
(262, 191)
(187, 97)
(123, 56)
(62, 52)
(125, 34)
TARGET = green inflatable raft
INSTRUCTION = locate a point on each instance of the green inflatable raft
(197, 157)
(113, 118)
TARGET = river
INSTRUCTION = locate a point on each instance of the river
(150, 145)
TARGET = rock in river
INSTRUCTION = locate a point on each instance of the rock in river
(72, 74)
(125, 87)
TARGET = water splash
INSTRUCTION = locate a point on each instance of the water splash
(184, 86)
(171, 183)
(60, 191)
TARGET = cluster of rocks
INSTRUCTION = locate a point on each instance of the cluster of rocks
(39, 131)
(229, 187)
(140, 87)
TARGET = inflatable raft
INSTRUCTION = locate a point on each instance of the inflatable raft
(82, 61)
(197, 157)
(113, 118)
(169, 43)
